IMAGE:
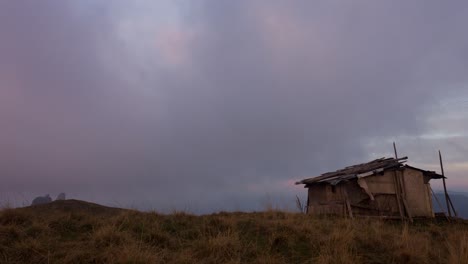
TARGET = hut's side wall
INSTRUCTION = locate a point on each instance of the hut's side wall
(375, 195)
(355, 193)
(382, 184)
(325, 199)
(384, 191)
(418, 194)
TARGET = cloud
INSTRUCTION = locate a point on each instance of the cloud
(206, 105)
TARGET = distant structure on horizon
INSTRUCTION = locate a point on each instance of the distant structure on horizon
(61, 196)
(384, 188)
(47, 199)
(42, 200)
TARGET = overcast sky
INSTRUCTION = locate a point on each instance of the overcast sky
(223, 105)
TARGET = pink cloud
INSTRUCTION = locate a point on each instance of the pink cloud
(174, 45)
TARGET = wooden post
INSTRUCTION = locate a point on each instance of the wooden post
(348, 204)
(394, 149)
(445, 186)
(378, 207)
(440, 205)
(451, 205)
(349, 208)
(397, 194)
(407, 210)
(401, 183)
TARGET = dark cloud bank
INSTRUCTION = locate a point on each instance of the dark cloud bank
(264, 93)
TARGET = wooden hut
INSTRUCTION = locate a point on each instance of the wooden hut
(384, 187)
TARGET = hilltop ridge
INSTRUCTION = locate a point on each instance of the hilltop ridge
(72, 205)
(74, 231)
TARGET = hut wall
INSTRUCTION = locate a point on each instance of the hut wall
(381, 188)
(379, 198)
(325, 199)
(418, 195)
(384, 191)
(382, 184)
(355, 193)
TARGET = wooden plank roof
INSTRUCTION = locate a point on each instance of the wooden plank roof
(364, 170)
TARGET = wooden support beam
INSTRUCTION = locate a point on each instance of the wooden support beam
(445, 186)
(451, 205)
(378, 207)
(350, 211)
(440, 205)
(399, 191)
(397, 194)
(407, 210)
(394, 149)
(348, 204)
(401, 184)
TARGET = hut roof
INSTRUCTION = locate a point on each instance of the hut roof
(365, 170)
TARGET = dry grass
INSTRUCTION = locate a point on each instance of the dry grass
(78, 233)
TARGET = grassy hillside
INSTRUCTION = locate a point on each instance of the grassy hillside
(79, 232)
